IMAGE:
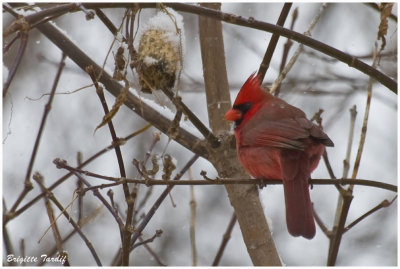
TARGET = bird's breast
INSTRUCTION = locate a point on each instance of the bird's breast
(260, 162)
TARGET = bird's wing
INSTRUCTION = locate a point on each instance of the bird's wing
(285, 133)
(281, 125)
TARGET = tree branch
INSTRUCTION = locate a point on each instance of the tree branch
(62, 164)
(244, 199)
(273, 42)
(225, 239)
(144, 110)
(263, 26)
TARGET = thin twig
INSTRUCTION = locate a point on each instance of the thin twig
(208, 135)
(225, 239)
(317, 117)
(22, 247)
(273, 42)
(286, 49)
(107, 22)
(292, 60)
(35, 18)
(53, 251)
(156, 139)
(383, 204)
(247, 181)
(343, 209)
(151, 239)
(155, 206)
(219, 181)
(88, 13)
(192, 204)
(9, 248)
(27, 182)
(321, 224)
(17, 62)
(75, 225)
(338, 228)
(346, 161)
(115, 139)
(53, 221)
(79, 187)
(11, 215)
(365, 120)
(126, 231)
(328, 165)
(154, 255)
(9, 44)
(161, 198)
(103, 200)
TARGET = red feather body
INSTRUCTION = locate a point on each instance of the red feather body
(274, 140)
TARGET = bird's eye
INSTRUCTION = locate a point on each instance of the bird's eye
(244, 107)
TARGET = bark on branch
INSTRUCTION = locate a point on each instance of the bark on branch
(244, 199)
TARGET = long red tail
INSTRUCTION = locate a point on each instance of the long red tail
(299, 213)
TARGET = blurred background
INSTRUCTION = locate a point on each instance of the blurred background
(316, 81)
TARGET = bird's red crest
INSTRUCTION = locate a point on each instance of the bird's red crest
(250, 91)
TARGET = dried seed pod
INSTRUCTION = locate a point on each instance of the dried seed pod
(169, 167)
(119, 64)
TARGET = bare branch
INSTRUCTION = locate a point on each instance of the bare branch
(11, 215)
(268, 27)
(273, 42)
(225, 239)
(53, 221)
(138, 230)
(263, 26)
(292, 60)
(27, 183)
(383, 204)
(343, 208)
(76, 226)
(286, 49)
(365, 121)
(192, 223)
(145, 111)
(346, 161)
(151, 239)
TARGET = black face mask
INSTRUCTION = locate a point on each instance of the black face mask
(244, 107)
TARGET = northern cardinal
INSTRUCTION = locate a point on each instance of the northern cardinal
(275, 140)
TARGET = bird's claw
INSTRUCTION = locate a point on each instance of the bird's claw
(262, 183)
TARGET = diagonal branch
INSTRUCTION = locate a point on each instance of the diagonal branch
(73, 223)
(139, 229)
(10, 215)
(383, 204)
(225, 239)
(144, 110)
(27, 182)
(273, 42)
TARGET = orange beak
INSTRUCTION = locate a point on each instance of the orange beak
(233, 115)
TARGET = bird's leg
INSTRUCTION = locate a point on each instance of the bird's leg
(262, 182)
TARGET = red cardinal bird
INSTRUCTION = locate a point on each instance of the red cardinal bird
(275, 140)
